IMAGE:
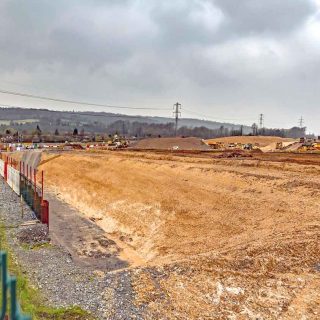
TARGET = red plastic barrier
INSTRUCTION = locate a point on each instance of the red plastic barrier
(45, 212)
(5, 171)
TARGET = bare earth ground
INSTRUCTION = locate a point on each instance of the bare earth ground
(223, 239)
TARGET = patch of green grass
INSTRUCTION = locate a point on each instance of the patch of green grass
(30, 299)
(74, 313)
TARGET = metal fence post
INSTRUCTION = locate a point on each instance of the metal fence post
(42, 187)
(4, 279)
(13, 298)
(7, 281)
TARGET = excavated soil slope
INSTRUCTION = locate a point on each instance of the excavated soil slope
(225, 239)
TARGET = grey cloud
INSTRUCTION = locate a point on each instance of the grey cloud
(186, 22)
(221, 56)
(265, 16)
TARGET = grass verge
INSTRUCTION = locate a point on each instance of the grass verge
(30, 299)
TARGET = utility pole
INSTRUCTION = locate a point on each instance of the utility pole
(261, 120)
(176, 113)
(301, 122)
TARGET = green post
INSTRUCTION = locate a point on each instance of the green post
(4, 280)
(7, 281)
(13, 298)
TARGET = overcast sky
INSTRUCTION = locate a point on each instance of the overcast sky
(226, 59)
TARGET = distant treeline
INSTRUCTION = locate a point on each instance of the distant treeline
(140, 130)
(22, 119)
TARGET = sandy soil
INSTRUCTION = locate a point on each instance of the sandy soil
(229, 239)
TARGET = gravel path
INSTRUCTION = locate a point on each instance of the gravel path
(62, 281)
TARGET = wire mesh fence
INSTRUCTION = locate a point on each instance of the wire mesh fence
(32, 195)
(22, 178)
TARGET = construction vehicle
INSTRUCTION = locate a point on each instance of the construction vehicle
(216, 145)
(248, 146)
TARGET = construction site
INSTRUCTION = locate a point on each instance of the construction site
(195, 231)
(160, 160)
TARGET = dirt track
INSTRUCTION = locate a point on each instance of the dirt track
(227, 238)
(81, 238)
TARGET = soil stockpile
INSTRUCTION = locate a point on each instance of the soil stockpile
(171, 144)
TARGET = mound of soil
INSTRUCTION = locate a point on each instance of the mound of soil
(35, 234)
(178, 143)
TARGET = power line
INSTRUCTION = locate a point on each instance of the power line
(107, 115)
(109, 106)
(75, 102)
(102, 114)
